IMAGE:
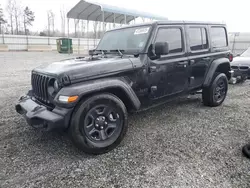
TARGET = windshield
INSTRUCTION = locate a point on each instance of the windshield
(127, 39)
(246, 53)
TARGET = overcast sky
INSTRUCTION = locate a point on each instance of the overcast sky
(235, 13)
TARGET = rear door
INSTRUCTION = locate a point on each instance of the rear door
(199, 54)
(169, 73)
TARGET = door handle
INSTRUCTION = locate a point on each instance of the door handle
(192, 61)
(206, 58)
(152, 69)
(183, 63)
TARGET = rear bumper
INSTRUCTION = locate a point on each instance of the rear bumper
(39, 116)
(241, 73)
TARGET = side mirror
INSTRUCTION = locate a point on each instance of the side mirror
(161, 48)
(92, 52)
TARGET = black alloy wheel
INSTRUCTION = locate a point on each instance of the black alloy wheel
(220, 90)
(99, 123)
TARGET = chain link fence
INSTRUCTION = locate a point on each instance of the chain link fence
(239, 42)
(26, 43)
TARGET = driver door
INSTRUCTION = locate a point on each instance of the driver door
(169, 73)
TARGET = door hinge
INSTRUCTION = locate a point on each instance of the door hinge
(152, 69)
(153, 89)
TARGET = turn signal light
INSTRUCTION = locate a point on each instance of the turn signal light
(230, 57)
(67, 99)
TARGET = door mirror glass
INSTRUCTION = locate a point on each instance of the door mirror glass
(161, 48)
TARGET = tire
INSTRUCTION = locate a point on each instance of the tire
(215, 94)
(246, 150)
(99, 124)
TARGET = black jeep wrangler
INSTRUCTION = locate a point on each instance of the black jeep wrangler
(132, 68)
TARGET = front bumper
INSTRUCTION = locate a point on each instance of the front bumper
(40, 116)
(241, 73)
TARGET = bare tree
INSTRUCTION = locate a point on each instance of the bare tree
(28, 18)
(63, 21)
(2, 20)
(17, 14)
(76, 22)
(100, 30)
(10, 10)
(83, 27)
(51, 21)
(95, 24)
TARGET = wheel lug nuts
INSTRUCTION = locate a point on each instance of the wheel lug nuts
(106, 122)
(97, 125)
(97, 119)
(101, 127)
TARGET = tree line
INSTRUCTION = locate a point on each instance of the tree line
(17, 19)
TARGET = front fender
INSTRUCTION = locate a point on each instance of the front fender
(213, 68)
(85, 88)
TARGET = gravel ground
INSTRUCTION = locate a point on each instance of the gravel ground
(180, 144)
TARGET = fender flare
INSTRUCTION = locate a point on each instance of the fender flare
(88, 87)
(212, 69)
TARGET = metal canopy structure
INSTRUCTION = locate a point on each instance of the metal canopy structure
(92, 11)
(99, 12)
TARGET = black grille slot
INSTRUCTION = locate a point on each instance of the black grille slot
(243, 68)
(234, 67)
(40, 87)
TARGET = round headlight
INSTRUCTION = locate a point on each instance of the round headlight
(56, 85)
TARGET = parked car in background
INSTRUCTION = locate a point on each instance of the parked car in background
(241, 67)
(132, 68)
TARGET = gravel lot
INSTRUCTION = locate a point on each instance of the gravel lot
(180, 144)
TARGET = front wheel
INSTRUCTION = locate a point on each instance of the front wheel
(99, 124)
(215, 94)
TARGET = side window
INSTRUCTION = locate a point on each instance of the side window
(198, 38)
(173, 36)
(218, 37)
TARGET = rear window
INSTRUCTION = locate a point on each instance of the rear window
(198, 38)
(219, 37)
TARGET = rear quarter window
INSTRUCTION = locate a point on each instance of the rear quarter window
(219, 37)
(198, 38)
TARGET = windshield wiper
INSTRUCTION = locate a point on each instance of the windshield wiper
(121, 54)
(103, 52)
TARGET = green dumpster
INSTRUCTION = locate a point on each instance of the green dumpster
(64, 45)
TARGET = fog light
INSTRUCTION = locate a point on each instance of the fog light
(67, 99)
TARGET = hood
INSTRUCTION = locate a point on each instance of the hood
(80, 68)
(245, 61)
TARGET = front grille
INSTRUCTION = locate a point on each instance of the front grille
(243, 68)
(40, 87)
(234, 67)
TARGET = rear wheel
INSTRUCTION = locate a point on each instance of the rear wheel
(99, 124)
(215, 94)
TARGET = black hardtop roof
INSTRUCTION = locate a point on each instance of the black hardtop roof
(189, 22)
(169, 22)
